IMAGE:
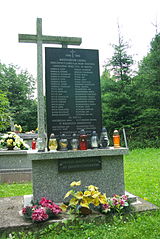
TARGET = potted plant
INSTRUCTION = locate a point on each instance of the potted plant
(17, 128)
(41, 211)
(85, 201)
(11, 140)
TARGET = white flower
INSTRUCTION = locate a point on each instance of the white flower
(26, 145)
(13, 139)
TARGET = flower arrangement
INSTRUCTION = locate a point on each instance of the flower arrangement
(42, 211)
(115, 204)
(36, 130)
(84, 202)
(11, 140)
(17, 128)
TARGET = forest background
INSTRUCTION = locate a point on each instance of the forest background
(130, 100)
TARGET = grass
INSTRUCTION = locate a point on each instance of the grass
(140, 226)
(142, 174)
(142, 178)
(10, 190)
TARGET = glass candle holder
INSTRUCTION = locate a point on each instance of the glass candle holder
(83, 144)
(52, 144)
(41, 145)
(74, 142)
(104, 141)
(63, 143)
(116, 139)
(94, 140)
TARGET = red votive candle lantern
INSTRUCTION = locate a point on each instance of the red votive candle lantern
(83, 145)
(33, 144)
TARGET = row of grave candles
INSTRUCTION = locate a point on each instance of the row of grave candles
(81, 143)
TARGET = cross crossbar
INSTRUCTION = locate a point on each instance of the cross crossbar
(39, 39)
(28, 38)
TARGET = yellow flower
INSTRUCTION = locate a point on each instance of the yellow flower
(78, 183)
(87, 193)
(79, 195)
(95, 194)
(145, 198)
(95, 202)
(92, 188)
(68, 193)
(84, 203)
(63, 207)
(103, 199)
(88, 199)
(9, 141)
(73, 201)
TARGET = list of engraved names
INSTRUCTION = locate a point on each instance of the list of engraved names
(72, 90)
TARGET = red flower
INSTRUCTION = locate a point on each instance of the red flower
(24, 210)
(44, 202)
(50, 205)
(39, 215)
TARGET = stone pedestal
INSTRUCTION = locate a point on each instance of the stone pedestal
(14, 160)
(15, 166)
(52, 172)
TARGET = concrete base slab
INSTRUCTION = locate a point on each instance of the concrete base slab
(142, 205)
(16, 176)
(12, 221)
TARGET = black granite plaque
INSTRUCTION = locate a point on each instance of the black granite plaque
(79, 164)
(73, 100)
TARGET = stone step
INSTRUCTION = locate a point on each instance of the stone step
(132, 198)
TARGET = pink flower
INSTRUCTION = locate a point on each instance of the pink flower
(115, 195)
(39, 214)
(122, 202)
(124, 197)
(34, 207)
(56, 210)
(115, 201)
(106, 206)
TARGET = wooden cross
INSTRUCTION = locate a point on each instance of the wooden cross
(40, 39)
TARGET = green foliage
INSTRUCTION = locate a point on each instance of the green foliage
(147, 93)
(19, 86)
(118, 101)
(4, 111)
(133, 103)
(143, 226)
(28, 115)
(118, 106)
(120, 63)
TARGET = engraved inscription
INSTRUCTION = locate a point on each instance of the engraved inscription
(72, 91)
(80, 164)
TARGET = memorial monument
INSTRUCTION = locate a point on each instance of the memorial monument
(73, 103)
